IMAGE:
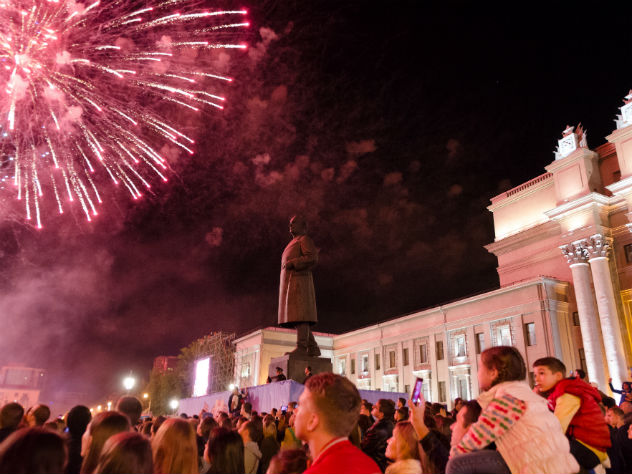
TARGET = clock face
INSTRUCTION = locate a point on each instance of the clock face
(568, 144)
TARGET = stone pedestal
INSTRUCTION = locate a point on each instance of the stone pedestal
(293, 366)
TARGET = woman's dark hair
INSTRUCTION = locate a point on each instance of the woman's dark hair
(472, 412)
(507, 361)
(157, 424)
(33, 451)
(626, 384)
(288, 461)
(225, 452)
(125, 453)
(364, 422)
(206, 426)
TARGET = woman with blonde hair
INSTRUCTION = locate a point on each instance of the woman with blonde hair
(403, 450)
(175, 448)
(101, 428)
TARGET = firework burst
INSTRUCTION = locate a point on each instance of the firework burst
(87, 87)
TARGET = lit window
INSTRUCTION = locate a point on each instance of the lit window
(365, 362)
(503, 335)
(459, 346)
(529, 330)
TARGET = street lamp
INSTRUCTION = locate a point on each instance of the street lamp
(129, 382)
(173, 404)
(145, 395)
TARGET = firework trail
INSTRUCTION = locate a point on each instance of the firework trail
(83, 87)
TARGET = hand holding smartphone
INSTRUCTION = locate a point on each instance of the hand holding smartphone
(416, 397)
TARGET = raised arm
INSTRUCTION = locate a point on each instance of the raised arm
(498, 418)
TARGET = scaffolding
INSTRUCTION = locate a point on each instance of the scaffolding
(219, 347)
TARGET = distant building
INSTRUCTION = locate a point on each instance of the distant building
(564, 247)
(20, 384)
(165, 363)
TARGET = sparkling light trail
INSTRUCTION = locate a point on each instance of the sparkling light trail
(88, 90)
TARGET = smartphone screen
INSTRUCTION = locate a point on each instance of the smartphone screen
(417, 390)
(284, 408)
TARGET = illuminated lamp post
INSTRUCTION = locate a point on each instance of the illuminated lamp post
(128, 383)
(173, 404)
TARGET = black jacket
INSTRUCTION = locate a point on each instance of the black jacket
(374, 442)
(437, 449)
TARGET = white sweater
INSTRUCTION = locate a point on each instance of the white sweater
(536, 443)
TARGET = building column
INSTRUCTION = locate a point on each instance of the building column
(577, 257)
(598, 248)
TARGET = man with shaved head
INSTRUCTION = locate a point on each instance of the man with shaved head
(297, 298)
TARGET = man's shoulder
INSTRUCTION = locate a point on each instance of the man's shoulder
(344, 458)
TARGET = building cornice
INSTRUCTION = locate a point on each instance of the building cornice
(621, 187)
(620, 134)
(527, 236)
(520, 192)
(443, 308)
(581, 203)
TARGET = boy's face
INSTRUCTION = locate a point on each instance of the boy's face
(545, 379)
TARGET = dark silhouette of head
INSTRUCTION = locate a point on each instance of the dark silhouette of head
(131, 407)
(77, 420)
(33, 450)
(11, 415)
(38, 415)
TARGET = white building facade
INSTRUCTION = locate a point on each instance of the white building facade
(564, 247)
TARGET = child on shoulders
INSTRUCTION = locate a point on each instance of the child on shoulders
(575, 403)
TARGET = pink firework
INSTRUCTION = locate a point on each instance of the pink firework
(87, 87)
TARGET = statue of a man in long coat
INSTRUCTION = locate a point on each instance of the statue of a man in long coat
(297, 298)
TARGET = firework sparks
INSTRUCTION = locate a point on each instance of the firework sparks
(83, 87)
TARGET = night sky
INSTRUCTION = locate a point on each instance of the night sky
(388, 126)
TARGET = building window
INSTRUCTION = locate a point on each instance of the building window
(531, 379)
(423, 353)
(442, 394)
(459, 345)
(405, 356)
(391, 359)
(627, 249)
(407, 388)
(529, 332)
(365, 363)
(352, 365)
(426, 389)
(245, 370)
(503, 335)
(439, 350)
(479, 338)
(377, 361)
(462, 388)
(342, 366)
(575, 318)
(582, 360)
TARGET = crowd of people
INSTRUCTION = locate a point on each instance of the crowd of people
(562, 426)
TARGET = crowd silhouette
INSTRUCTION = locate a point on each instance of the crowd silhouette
(562, 425)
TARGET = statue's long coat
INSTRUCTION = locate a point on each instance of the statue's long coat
(297, 299)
